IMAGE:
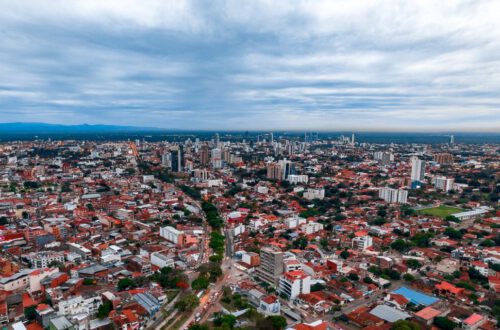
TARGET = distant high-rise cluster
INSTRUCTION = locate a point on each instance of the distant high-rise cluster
(384, 158)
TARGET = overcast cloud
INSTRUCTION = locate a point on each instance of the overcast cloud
(322, 65)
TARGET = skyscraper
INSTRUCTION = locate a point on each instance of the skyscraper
(452, 139)
(177, 159)
(205, 155)
(353, 139)
(417, 169)
(216, 158)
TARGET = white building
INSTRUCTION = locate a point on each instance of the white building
(171, 234)
(417, 169)
(38, 275)
(293, 283)
(312, 227)
(216, 158)
(78, 305)
(298, 178)
(362, 242)
(294, 222)
(270, 305)
(443, 183)
(15, 282)
(109, 256)
(383, 157)
(43, 259)
(311, 194)
(480, 211)
(161, 260)
(393, 195)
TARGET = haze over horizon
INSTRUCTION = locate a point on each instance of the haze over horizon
(261, 65)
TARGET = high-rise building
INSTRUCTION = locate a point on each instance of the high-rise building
(443, 183)
(166, 159)
(443, 158)
(216, 158)
(274, 171)
(393, 195)
(384, 158)
(177, 158)
(353, 141)
(204, 155)
(271, 265)
(417, 169)
(287, 168)
(452, 139)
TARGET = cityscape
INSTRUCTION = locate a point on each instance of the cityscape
(252, 231)
(249, 165)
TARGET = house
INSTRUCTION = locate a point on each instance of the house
(270, 305)
(427, 315)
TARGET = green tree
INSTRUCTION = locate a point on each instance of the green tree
(104, 310)
(405, 325)
(413, 263)
(30, 312)
(227, 321)
(200, 283)
(125, 283)
(400, 245)
(274, 322)
(408, 277)
(444, 323)
(344, 254)
(353, 277)
(187, 303)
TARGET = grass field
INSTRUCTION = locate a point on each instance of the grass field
(441, 211)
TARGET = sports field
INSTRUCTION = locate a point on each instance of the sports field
(441, 211)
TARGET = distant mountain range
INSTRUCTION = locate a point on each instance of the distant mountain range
(43, 128)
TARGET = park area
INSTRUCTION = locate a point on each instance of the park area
(441, 211)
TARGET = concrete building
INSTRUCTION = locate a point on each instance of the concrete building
(443, 183)
(393, 195)
(271, 265)
(384, 158)
(417, 169)
(293, 283)
(171, 234)
(362, 242)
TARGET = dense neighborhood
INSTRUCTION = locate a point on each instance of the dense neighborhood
(272, 232)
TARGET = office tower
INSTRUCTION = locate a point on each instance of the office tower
(166, 159)
(443, 158)
(271, 265)
(443, 183)
(287, 168)
(204, 155)
(272, 137)
(216, 158)
(177, 156)
(384, 158)
(452, 139)
(353, 139)
(217, 139)
(417, 169)
(393, 195)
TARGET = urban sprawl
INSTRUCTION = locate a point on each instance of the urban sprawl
(277, 232)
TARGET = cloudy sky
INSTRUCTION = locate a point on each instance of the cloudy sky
(322, 65)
